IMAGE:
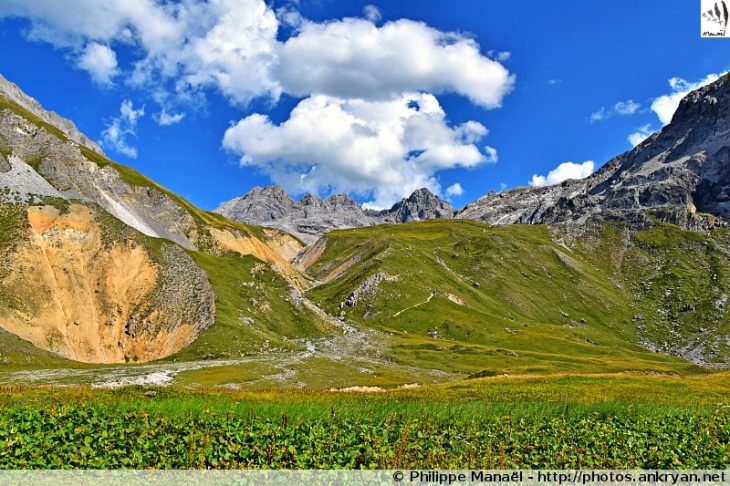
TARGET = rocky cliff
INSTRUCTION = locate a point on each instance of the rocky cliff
(679, 175)
(10, 91)
(311, 217)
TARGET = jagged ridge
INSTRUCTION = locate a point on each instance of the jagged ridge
(312, 217)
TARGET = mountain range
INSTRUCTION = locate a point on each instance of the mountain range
(627, 270)
(312, 217)
(679, 175)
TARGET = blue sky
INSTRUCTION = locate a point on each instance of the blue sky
(372, 98)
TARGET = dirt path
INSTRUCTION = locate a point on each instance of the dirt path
(414, 306)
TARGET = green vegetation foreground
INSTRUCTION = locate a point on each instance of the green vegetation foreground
(612, 421)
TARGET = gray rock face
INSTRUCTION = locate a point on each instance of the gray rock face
(307, 218)
(680, 175)
(420, 205)
(11, 91)
(20, 184)
(311, 217)
(42, 164)
(4, 164)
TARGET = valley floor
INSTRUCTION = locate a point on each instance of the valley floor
(605, 421)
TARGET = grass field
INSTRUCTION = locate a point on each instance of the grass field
(610, 421)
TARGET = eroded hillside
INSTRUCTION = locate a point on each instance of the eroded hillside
(79, 284)
(104, 265)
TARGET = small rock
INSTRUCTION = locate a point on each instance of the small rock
(150, 393)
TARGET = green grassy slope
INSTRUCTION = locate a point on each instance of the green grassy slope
(255, 310)
(241, 325)
(492, 300)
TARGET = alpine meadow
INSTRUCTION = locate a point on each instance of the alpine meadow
(279, 238)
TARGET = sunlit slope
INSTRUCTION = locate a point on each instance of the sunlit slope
(463, 296)
(90, 246)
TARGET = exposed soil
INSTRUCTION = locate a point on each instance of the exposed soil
(78, 295)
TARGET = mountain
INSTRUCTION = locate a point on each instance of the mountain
(100, 264)
(307, 218)
(419, 206)
(679, 175)
(311, 217)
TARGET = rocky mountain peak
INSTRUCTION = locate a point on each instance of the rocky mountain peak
(311, 216)
(274, 192)
(679, 175)
(12, 92)
(421, 205)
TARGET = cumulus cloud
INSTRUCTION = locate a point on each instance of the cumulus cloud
(372, 13)
(163, 118)
(500, 56)
(347, 70)
(454, 190)
(353, 58)
(226, 44)
(641, 134)
(621, 108)
(563, 172)
(379, 149)
(232, 45)
(100, 61)
(664, 106)
(118, 131)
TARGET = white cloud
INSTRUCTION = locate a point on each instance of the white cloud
(346, 70)
(641, 134)
(622, 108)
(226, 44)
(289, 17)
(100, 61)
(353, 58)
(628, 107)
(500, 56)
(454, 190)
(664, 106)
(565, 171)
(121, 128)
(232, 45)
(380, 149)
(163, 118)
(372, 13)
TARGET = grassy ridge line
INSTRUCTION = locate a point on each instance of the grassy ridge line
(507, 299)
(133, 177)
